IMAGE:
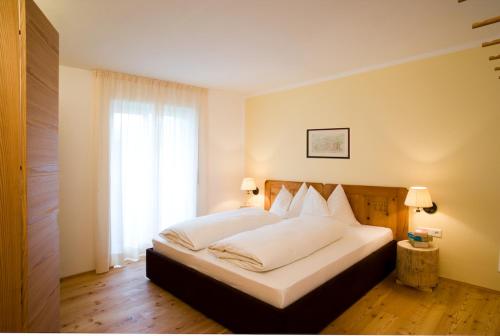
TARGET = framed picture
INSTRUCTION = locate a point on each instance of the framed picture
(329, 143)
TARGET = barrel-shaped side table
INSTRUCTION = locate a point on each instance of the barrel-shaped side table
(417, 267)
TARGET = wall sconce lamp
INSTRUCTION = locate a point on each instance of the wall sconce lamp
(248, 185)
(420, 198)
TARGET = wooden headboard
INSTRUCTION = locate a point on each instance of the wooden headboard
(378, 206)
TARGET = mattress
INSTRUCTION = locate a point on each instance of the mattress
(283, 286)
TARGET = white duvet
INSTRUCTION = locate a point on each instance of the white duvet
(276, 245)
(198, 233)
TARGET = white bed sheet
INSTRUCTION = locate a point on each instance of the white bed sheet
(283, 286)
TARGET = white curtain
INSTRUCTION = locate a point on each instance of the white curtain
(147, 161)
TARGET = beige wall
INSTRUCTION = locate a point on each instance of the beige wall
(76, 214)
(221, 169)
(432, 122)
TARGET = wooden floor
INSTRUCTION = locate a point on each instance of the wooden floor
(124, 301)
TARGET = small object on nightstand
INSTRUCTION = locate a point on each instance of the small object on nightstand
(420, 239)
(417, 267)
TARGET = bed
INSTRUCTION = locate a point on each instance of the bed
(302, 297)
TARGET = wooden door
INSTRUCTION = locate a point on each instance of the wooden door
(42, 174)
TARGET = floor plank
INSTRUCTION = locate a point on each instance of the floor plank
(452, 308)
(125, 301)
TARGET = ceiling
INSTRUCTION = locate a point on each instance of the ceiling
(256, 46)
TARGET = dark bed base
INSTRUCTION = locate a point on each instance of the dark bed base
(242, 313)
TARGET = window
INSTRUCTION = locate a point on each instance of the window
(153, 172)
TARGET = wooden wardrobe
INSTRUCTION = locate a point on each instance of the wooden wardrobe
(29, 233)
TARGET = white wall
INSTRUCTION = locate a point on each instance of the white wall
(221, 168)
(225, 150)
(76, 209)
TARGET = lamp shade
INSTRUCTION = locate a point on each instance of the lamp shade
(248, 183)
(418, 197)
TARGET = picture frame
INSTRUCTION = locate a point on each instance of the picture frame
(328, 143)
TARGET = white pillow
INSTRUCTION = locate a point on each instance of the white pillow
(314, 204)
(281, 202)
(298, 200)
(340, 208)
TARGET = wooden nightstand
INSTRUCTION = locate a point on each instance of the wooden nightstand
(417, 267)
